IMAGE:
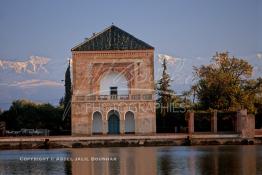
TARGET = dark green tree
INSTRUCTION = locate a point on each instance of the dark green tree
(27, 114)
(61, 102)
(67, 99)
(163, 90)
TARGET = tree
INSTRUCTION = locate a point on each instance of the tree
(61, 101)
(67, 98)
(226, 83)
(163, 89)
(26, 114)
(186, 99)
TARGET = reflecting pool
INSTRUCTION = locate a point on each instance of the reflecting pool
(215, 160)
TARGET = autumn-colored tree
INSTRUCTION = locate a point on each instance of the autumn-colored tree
(226, 84)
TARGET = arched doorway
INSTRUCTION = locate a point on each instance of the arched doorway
(97, 123)
(129, 122)
(113, 122)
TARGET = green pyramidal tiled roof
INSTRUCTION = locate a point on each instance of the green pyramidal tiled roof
(112, 38)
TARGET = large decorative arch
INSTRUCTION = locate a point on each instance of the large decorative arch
(102, 72)
(122, 68)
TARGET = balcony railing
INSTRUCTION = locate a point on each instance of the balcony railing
(135, 97)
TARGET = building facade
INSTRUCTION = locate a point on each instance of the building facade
(113, 85)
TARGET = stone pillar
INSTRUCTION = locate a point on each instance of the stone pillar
(191, 122)
(105, 126)
(138, 123)
(249, 127)
(122, 122)
(240, 115)
(245, 124)
(214, 122)
(105, 123)
(122, 126)
(154, 125)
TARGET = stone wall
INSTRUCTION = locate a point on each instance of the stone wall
(245, 124)
(89, 67)
(144, 113)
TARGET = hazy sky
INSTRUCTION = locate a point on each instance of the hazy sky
(192, 31)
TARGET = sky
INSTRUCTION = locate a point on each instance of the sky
(36, 38)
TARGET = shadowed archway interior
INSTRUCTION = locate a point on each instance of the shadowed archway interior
(97, 123)
(129, 122)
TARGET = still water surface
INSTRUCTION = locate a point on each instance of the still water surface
(210, 160)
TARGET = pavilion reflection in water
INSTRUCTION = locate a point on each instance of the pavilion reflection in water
(129, 161)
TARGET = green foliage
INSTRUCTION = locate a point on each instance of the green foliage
(163, 89)
(26, 114)
(226, 84)
(68, 85)
(61, 101)
(67, 99)
(258, 106)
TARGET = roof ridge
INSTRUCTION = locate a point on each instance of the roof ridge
(105, 42)
(92, 37)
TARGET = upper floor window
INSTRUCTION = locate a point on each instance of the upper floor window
(113, 83)
(113, 90)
